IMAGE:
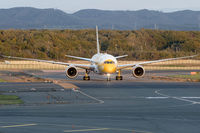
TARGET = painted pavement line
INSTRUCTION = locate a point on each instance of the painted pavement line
(100, 101)
(84, 130)
(170, 97)
(157, 97)
(24, 125)
(178, 98)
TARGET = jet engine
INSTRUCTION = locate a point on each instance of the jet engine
(71, 72)
(138, 71)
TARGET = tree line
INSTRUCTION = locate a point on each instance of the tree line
(141, 44)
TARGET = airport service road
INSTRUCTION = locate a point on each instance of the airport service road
(114, 107)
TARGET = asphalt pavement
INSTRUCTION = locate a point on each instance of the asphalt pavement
(102, 107)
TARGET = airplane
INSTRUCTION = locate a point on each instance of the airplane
(101, 63)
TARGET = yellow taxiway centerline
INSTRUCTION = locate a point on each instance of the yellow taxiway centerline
(83, 130)
(24, 125)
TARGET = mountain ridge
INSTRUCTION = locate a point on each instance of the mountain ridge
(33, 18)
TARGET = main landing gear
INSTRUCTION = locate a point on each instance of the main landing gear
(108, 77)
(86, 77)
(119, 77)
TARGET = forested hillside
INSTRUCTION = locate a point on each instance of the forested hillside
(139, 45)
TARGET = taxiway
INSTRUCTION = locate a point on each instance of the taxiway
(120, 107)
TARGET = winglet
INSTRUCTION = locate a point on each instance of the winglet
(97, 34)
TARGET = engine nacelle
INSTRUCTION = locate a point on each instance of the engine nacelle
(71, 72)
(138, 71)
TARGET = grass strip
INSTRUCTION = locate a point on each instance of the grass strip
(194, 77)
(1, 80)
(9, 100)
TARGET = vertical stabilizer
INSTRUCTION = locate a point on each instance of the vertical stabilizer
(97, 34)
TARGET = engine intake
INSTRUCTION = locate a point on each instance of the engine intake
(71, 72)
(138, 71)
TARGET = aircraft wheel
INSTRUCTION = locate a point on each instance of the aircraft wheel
(108, 79)
(86, 78)
(119, 78)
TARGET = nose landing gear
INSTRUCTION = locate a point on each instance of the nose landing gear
(108, 77)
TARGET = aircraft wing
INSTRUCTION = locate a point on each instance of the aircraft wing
(155, 61)
(122, 56)
(52, 62)
(80, 58)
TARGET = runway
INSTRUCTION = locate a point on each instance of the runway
(127, 107)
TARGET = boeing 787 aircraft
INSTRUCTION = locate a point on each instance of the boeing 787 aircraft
(101, 63)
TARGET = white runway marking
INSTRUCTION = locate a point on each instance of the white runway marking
(84, 130)
(191, 97)
(101, 129)
(170, 97)
(100, 101)
(90, 128)
(178, 98)
(157, 97)
(24, 125)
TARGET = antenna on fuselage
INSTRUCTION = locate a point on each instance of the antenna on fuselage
(97, 34)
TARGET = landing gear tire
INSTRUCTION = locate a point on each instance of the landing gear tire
(108, 79)
(119, 78)
(86, 78)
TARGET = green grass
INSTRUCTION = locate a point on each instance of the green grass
(194, 77)
(10, 99)
(1, 80)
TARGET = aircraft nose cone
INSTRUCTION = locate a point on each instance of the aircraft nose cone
(110, 68)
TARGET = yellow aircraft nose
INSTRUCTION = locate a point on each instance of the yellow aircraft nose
(109, 68)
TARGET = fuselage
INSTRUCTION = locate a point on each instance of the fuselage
(105, 63)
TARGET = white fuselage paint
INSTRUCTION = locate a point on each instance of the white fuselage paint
(98, 60)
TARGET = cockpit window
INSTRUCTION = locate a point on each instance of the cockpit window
(109, 62)
(112, 62)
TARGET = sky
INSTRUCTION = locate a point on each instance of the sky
(71, 6)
